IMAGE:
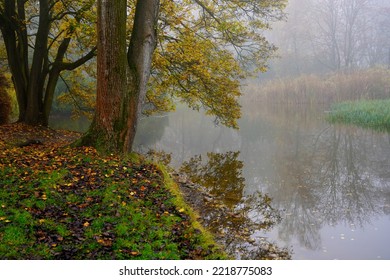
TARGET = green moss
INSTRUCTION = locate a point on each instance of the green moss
(94, 207)
(205, 238)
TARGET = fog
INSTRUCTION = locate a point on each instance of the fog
(321, 36)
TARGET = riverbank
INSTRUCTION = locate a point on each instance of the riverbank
(59, 202)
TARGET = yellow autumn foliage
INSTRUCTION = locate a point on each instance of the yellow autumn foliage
(205, 49)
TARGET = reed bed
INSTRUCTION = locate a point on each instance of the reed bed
(366, 84)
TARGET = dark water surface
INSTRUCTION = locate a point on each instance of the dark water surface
(331, 183)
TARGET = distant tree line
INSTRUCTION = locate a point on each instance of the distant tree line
(332, 35)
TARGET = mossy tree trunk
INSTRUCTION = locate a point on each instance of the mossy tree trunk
(122, 76)
(5, 103)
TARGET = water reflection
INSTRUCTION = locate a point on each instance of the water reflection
(321, 176)
(233, 218)
(221, 174)
(327, 180)
(333, 180)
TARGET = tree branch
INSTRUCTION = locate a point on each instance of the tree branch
(79, 62)
(208, 11)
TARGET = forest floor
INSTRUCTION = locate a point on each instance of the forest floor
(61, 202)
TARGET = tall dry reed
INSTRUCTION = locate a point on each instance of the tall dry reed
(311, 89)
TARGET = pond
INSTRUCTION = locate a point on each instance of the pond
(330, 184)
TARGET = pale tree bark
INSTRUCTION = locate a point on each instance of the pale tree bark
(122, 78)
(142, 45)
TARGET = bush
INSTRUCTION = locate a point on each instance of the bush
(5, 102)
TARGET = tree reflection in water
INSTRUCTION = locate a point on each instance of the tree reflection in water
(324, 177)
(334, 179)
(233, 218)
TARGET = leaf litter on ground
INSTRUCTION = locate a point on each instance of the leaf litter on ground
(63, 202)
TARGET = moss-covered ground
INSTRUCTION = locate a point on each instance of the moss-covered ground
(60, 202)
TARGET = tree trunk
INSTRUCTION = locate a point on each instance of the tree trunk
(111, 76)
(142, 45)
(15, 40)
(34, 86)
(121, 87)
(37, 72)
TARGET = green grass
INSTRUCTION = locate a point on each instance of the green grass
(373, 114)
(71, 203)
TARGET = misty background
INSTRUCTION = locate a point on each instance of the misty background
(323, 36)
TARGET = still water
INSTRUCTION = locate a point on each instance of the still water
(330, 183)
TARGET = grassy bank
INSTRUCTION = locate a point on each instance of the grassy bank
(366, 113)
(58, 202)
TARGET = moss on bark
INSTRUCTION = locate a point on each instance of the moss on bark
(5, 102)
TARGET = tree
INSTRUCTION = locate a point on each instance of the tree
(341, 28)
(38, 36)
(122, 79)
(202, 54)
(205, 49)
(377, 36)
(5, 105)
(294, 38)
(332, 35)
